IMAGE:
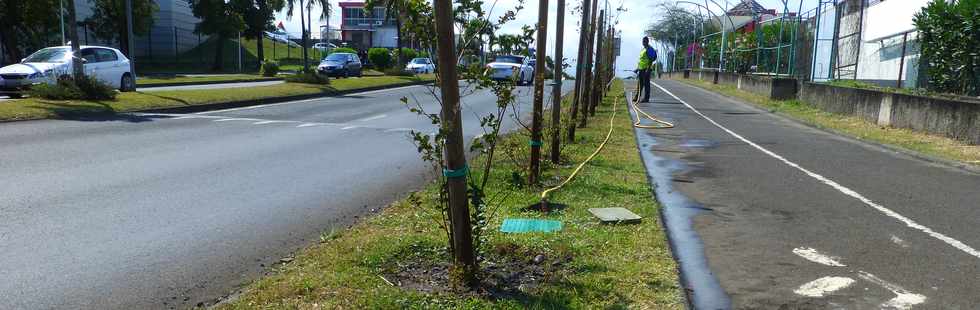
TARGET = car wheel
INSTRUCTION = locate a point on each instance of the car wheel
(520, 82)
(126, 84)
(360, 72)
(346, 73)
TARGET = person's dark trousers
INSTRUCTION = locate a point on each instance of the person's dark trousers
(645, 85)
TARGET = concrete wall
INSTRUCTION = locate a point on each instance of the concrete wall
(954, 119)
(775, 88)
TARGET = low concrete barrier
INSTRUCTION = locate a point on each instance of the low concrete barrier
(954, 119)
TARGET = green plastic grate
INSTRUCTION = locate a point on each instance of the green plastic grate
(529, 225)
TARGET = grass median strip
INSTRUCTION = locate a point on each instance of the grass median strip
(156, 80)
(588, 265)
(37, 108)
(854, 127)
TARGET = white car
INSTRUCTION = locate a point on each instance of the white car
(517, 68)
(420, 65)
(46, 65)
(324, 47)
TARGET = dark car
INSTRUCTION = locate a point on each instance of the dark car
(340, 65)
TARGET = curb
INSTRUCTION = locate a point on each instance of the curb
(253, 102)
(155, 85)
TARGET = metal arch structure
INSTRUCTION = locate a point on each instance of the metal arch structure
(721, 53)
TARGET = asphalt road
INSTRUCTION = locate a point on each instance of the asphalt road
(793, 217)
(148, 211)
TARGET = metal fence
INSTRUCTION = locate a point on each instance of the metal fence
(828, 42)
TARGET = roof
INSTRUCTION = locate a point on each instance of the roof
(351, 4)
(747, 8)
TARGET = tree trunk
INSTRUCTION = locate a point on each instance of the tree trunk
(261, 49)
(10, 45)
(538, 109)
(579, 67)
(77, 65)
(302, 25)
(459, 211)
(398, 41)
(599, 62)
(219, 54)
(587, 82)
(556, 96)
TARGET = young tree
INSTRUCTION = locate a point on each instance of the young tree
(108, 20)
(219, 19)
(258, 16)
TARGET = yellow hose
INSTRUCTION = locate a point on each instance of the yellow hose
(544, 194)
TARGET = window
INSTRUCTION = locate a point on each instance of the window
(102, 54)
(89, 55)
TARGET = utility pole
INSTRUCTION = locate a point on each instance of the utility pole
(580, 66)
(61, 19)
(456, 169)
(129, 40)
(302, 27)
(556, 96)
(76, 60)
(537, 114)
(599, 62)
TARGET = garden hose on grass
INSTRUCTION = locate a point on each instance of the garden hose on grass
(638, 111)
(612, 119)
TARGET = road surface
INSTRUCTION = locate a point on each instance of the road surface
(157, 211)
(798, 218)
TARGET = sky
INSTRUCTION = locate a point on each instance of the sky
(631, 23)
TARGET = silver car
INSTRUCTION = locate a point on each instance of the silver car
(46, 65)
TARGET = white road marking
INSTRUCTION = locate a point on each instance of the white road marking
(899, 241)
(351, 127)
(376, 117)
(272, 122)
(235, 119)
(846, 191)
(823, 286)
(308, 125)
(903, 299)
(816, 257)
(302, 101)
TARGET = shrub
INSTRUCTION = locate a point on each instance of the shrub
(270, 68)
(408, 54)
(397, 72)
(950, 34)
(308, 77)
(68, 88)
(380, 57)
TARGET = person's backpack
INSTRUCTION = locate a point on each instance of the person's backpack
(652, 54)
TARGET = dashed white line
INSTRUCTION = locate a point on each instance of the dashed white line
(301, 101)
(308, 125)
(816, 257)
(823, 286)
(399, 129)
(235, 119)
(846, 191)
(350, 127)
(376, 117)
(903, 299)
(272, 122)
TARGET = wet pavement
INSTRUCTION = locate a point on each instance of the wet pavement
(765, 213)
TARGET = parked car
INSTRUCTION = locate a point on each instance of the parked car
(324, 47)
(340, 65)
(420, 65)
(513, 67)
(46, 65)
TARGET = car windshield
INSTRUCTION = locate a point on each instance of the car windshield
(54, 54)
(420, 61)
(336, 57)
(508, 59)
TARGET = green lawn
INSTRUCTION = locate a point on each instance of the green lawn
(601, 266)
(37, 108)
(201, 58)
(855, 127)
(144, 81)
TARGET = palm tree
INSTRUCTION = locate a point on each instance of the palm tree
(305, 23)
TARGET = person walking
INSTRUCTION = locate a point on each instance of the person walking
(645, 68)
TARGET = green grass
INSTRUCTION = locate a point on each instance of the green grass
(143, 81)
(855, 127)
(612, 266)
(36, 108)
